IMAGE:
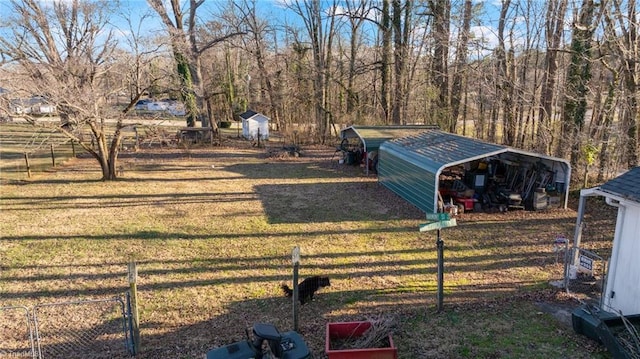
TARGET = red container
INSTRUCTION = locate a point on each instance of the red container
(347, 330)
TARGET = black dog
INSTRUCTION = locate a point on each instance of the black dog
(307, 288)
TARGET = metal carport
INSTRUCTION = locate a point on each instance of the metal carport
(411, 166)
(372, 137)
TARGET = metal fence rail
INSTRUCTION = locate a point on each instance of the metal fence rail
(586, 272)
(88, 329)
(84, 329)
(16, 335)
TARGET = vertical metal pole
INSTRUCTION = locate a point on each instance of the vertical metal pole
(133, 277)
(295, 256)
(53, 156)
(440, 247)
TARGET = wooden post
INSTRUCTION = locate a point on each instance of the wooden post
(295, 258)
(26, 160)
(73, 148)
(53, 157)
(133, 278)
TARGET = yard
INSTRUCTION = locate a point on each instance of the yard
(212, 230)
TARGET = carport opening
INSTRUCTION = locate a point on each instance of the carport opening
(498, 184)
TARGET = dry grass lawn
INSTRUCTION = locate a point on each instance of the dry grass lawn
(212, 230)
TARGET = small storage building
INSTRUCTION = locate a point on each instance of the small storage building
(621, 292)
(254, 125)
(412, 167)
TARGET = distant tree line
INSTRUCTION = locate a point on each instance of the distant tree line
(557, 77)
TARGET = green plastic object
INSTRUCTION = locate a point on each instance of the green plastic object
(603, 327)
(585, 321)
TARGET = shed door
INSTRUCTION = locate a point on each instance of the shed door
(625, 264)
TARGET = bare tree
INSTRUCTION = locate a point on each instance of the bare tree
(385, 60)
(357, 11)
(61, 53)
(187, 50)
(554, 27)
(441, 12)
(321, 35)
(623, 40)
(258, 29)
(460, 64)
(578, 76)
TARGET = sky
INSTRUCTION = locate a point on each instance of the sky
(271, 9)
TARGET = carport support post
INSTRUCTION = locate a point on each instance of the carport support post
(135, 326)
(295, 258)
(440, 247)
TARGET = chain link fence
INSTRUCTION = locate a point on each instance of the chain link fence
(16, 334)
(585, 272)
(89, 329)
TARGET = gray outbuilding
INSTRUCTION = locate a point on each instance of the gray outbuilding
(425, 167)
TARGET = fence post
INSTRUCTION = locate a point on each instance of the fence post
(295, 258)
(133, 277)
(440, 250)
(73, 148)
(26, 160)
(53, 156)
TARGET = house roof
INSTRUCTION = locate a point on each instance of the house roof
(373, 136)
(626, 185)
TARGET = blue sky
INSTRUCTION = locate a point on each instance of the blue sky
(273, 10)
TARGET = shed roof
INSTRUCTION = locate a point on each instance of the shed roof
(253, 115)
(248, 114)
(437, 149)
(411, 166)
(373, 136)
(626, 185)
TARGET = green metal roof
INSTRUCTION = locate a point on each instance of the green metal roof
(373, 136)
(411, 166)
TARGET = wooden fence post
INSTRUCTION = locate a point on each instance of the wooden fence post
(295, 258)
(133, 278)
(53, 156)
(26, 160)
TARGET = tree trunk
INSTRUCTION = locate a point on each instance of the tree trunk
(578, 76)
(385, 73)
(441, 11)
(461, 59)
(554, 27)
(607, 114)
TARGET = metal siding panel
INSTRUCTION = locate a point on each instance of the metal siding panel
(627, 266)
(409, 181)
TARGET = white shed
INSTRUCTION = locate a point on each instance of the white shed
(621, 292)
(254, 125)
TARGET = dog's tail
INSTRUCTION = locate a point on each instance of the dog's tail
(287, 291)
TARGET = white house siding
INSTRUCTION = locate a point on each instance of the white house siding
(624, 271)
(257, 125)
